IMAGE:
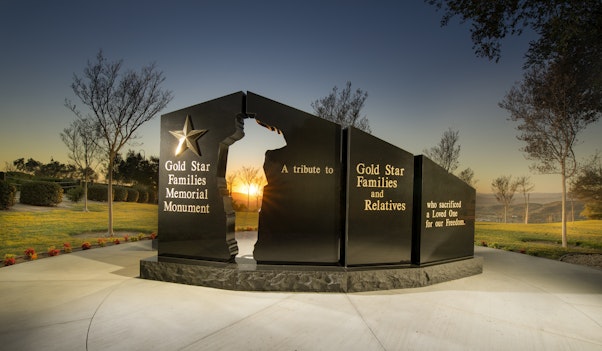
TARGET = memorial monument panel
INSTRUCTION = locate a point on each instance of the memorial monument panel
(196, 219)
(380, 179)
(343, 200)
(444, 214)
(300, 218)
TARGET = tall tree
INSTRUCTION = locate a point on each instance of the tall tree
(119, 103)
(343, 107)
(587, 186)
(447, 152)
(137, 169)
(563, 28)
(504, 188)
(552, 111)
(81, 141)
(525, 187)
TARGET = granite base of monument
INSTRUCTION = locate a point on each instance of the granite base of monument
(246, 275)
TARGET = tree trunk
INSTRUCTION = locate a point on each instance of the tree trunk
(564, 238)
(86, 192)
(110, 192)
(527, 210)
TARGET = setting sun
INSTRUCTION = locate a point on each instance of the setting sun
(252, 190)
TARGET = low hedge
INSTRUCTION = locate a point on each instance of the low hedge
(75, 194)
(120, 193)
(7, 195)
(41, 193)
(143, 197)
(133, 195)
(99, 192)
(152, 197)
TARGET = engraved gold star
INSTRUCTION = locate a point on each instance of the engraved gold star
(187, 137)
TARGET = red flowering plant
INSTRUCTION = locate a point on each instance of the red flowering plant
(31, 254)
(86, 245)
(153, 236)
(67, 247)
(9, 259)
(116, 241)
(126, 238)
(102, 242)
(52, 251)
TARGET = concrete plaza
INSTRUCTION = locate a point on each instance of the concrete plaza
(93, 300)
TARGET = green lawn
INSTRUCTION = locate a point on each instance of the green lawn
(542, 240)
(55, 226)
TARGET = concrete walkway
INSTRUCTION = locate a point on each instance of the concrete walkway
(93, 300)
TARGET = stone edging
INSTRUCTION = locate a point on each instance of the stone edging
(230, 276)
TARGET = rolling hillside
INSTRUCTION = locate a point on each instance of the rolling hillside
(543, 208)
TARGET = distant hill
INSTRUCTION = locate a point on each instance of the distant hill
(543, 208)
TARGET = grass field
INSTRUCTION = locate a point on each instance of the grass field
(20, 230)
(45, 227)
(543, 240)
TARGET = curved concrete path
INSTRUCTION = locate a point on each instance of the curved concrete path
(93, 300)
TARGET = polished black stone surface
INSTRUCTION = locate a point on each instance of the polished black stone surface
(300, 219)
(196, 219)
(444, 214)
(380, 179)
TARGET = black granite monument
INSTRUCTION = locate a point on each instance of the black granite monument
(342, 210)
(444, 215)
(380, 181)
(300, 218)
(196, 219)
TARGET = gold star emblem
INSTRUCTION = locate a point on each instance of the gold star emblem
(187, 137)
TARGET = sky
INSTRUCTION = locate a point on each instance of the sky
(421, 78)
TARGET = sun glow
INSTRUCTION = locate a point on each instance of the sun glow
(252, 190)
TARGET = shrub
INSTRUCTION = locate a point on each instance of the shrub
(75, 194)
(9, 259)
(41, 193)
(133, 195)
(120, 193)
(86, 246)
(142, 195)
(7, 195)
(99, 192)
(31, 254)
(52, 251)
(152, 196)
(67, 247)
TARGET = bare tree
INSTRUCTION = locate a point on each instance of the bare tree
(119, 103)
(525, 187)
(552, 110)
(84, 151)
(343, 108)
(230, 179)
(249, 177)
(447, 152)
(504, 188)
(467, 176)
